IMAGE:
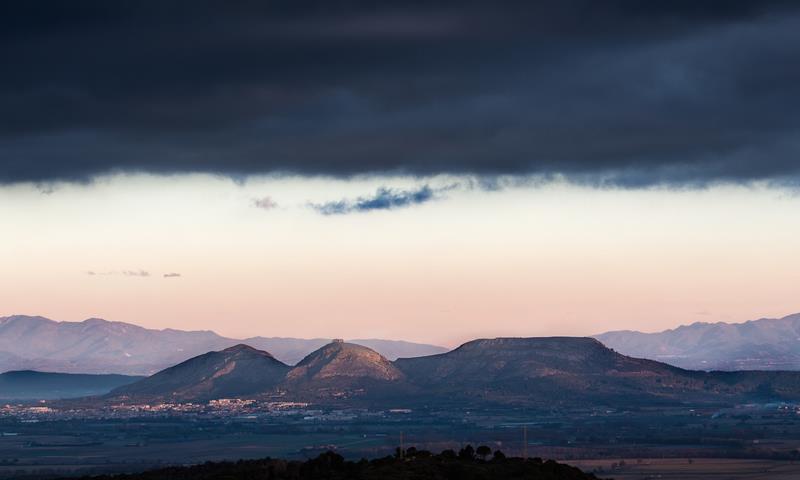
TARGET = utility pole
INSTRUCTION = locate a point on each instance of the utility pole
(525, 442)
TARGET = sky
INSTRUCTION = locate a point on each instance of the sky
(431, 171)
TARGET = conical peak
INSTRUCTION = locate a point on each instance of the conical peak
(242, 348)
(341, 359)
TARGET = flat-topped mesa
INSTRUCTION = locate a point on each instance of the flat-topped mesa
(520, 359)
(554, 343)
(344, 360)
(546, 349)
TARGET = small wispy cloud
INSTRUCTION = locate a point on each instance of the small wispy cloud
(127, 273)
(110, 272)
(384, 199)
(265, 203)
(136, 273)
(172, 275)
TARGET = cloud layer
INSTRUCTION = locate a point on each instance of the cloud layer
(618, 93)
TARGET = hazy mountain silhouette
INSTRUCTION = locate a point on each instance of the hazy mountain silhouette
(101, 346)
(26, 384)
(766, 344)
(546, 372)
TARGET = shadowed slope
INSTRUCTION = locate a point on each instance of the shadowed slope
(489, 360)
(570, 370)
(236, 371)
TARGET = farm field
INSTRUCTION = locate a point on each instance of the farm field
(698, 469)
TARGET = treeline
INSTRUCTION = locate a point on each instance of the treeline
(411, 464)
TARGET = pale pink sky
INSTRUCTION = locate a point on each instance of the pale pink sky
(530, 260)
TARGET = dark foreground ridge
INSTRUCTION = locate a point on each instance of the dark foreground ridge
(467, 464)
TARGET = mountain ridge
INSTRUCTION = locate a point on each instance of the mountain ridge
(102, 346)
(543, 372)
(763, 344)
(335, 370)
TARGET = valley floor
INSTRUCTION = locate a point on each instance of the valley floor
(745, 442)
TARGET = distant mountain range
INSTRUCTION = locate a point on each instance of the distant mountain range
(766, 344)
(100, 346)
(540, 372)
(27, 384)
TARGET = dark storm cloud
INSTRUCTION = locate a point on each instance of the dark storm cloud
(384, 199)
(617, 93)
